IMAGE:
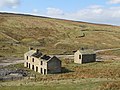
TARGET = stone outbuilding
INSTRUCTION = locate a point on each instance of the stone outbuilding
(84, 56)
(43, 64)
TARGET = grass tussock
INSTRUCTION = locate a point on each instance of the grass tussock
(113, 85)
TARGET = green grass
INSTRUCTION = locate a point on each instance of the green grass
(105, 69)
(112, 52)
(82, 84)
(91, 76)
(77, 86)
(52, 36)
(113, 85)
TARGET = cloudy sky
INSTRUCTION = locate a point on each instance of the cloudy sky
(95, 11)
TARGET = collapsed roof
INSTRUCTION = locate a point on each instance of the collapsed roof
(38, 54)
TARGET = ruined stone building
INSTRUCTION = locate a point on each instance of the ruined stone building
(84, 56)
(43, 64)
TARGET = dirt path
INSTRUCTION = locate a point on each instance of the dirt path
(99, 58)
(103, 50)
(7, 36)
(11, 62)
(72, 56)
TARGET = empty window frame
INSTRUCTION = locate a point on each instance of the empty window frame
(36, 69)
(32, 67)
(27, 57)
(45, 71)
(79, 56)
(41, 70)
(29, 65)
(26, 64)
(41, 63)
(32, 59)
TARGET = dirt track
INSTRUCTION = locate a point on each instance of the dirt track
(103, 50)
(7, 62)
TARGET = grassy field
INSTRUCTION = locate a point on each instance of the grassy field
(103, 75)
(98, 85)
(75, 86)
(86, 85)
(52, 36)
(112, 52)
(103, 69)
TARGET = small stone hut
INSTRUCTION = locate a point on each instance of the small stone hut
(43, 64)
(84, 56)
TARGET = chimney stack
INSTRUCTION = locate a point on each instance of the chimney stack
(37, 50)
(30, 48)
(82, 48)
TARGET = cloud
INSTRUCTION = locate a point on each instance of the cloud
(95, 13)
(54, 12)
(35, 11)
(9, 3)
(114, 1)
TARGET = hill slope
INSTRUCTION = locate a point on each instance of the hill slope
(54, 36)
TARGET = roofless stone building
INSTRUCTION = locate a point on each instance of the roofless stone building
(43, 64)
(84, 56)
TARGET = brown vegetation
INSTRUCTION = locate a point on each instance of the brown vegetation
(113, 85)
(50, 34)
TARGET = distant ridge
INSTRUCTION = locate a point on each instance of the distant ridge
(55, 18)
